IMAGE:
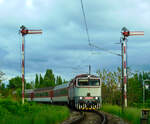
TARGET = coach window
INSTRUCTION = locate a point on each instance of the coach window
(56, 93)
(37, 94)
(64, 92)
(45, 94)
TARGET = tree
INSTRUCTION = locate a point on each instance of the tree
(134, 89)
(58, 80)
(2, 86)
(41, 81)
(32, 84)
(15, 83)
(28, 86)
(1, 77)
(36, 82)
(110, 86)
(64, 81)
(49, 78)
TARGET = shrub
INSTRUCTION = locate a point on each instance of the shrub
(130, 114)
(12, 112)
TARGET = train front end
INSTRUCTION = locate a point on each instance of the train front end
(88, 93)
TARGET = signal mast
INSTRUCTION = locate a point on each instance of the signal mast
(24, 31)
(125, 34)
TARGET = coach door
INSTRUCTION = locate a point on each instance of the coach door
(32, 96)
(51, 94)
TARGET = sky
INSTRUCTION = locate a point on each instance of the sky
(63, 45)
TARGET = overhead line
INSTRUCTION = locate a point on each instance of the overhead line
(84, 16)
(88, 36)
(92, 45)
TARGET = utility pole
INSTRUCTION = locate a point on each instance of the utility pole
(144, 90)
(24, 31)
(89, 69)
(125, 33)
(122, 91)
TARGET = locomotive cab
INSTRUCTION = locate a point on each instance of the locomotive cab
(87, 92)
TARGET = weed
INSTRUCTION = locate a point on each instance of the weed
(130, 114)
(12, 112)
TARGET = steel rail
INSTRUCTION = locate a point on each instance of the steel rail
(103, 116)
(77, 120)
(83, 115)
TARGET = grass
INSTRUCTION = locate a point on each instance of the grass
(130, 114)
(12, 112)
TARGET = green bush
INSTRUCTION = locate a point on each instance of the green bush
(130, 114)
(12, 112)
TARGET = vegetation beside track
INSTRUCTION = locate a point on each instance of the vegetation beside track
(12, 112)
(130, 114)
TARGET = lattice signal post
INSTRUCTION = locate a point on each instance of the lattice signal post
(125, 33)
(24, 31)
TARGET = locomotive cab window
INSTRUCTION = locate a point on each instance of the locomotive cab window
(83, 82)
(89, 82)
(94, 82)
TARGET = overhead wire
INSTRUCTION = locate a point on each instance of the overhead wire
(86, 26)
(88, 36)
(95, 46)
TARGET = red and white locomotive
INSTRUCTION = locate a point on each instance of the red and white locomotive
(83, 92)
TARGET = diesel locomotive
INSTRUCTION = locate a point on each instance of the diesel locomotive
(83, 92)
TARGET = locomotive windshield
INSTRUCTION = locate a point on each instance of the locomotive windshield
(88, 82)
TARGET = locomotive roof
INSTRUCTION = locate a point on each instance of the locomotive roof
(85, 75)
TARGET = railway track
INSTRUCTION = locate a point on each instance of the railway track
(86, 117)
(93, 117)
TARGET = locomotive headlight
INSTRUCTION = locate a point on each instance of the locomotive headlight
(96, 97)
(80, 97)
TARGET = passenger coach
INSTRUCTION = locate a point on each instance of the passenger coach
(83, 92)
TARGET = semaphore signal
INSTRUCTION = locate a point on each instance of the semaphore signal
(125, 33)
(24, 31)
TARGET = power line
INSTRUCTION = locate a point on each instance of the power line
(88, 36)
(87, 32)
(95, 46)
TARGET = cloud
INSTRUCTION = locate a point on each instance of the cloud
(29, 3)
(63, 44)
(1, 1)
